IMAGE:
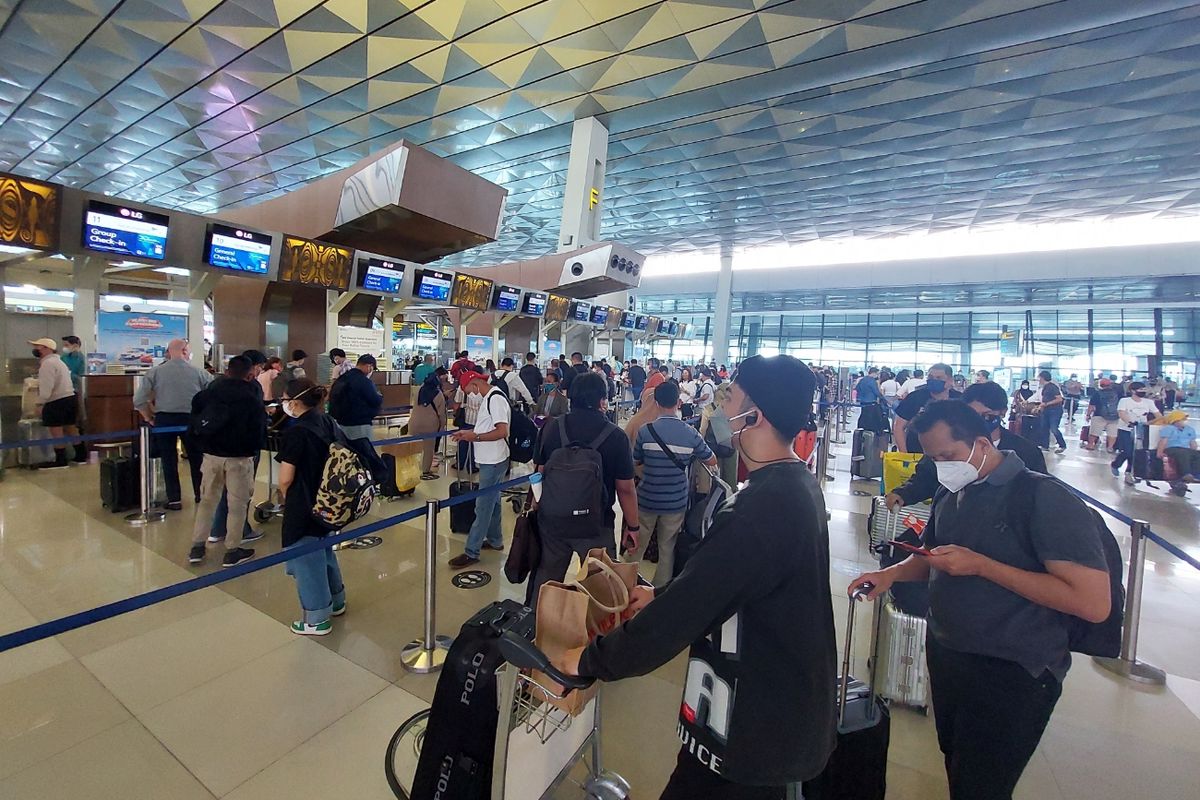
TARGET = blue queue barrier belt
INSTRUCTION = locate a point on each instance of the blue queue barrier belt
(88, 437)
(69, 623)
(499, 487)
(1172, 549)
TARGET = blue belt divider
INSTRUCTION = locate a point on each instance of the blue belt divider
(1172, 549)
(499, 487)
(69, 623)
(89, 437)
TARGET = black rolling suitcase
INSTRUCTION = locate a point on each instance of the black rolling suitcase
(857, 769)
(458, 747)
(1031, 428)
(1147, 466)
(387, 482)
(866, 460)
(120, 489)
(462, 516)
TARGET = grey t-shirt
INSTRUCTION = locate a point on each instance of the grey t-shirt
(973, 615)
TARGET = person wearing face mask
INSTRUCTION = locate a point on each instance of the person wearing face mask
(428, 415)
(57, 402)
(936, 386)
(990, 402)
(303, 451)
(752, 606)
(73, 358)
(553, 400)
(354, 401)
(1137, 409)
(1000, 598)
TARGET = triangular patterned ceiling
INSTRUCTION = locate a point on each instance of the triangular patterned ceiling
(753, 121)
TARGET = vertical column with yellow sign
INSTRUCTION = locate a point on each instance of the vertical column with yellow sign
(583, 196)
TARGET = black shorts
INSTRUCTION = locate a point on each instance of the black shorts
(60, 412)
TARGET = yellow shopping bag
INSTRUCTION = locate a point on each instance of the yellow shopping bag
(897, 468)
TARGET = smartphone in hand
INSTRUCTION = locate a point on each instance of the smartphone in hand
(908, 548)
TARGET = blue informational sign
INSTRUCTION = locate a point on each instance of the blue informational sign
(108, 228)
(479, 347)
(434, 285)
(600, 315)
(628, 318)
(552, 348)
(237, 249)
(642, 322)
(506, 298)
(132, 339)
(581, 311)
(380, 275)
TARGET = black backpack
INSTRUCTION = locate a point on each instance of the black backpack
(531, 376)
(498, 381)
(460, 738)
(1105, 402)
(522, 433)
(573, 496)
(208, 417)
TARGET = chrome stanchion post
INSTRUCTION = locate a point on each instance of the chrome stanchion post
(823, 451)
(146, 515)
(1127, 665)
(428, 653)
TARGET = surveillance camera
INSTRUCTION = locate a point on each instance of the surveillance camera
(127, 307)
(577, 269)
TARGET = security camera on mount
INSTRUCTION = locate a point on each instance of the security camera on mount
(599, 269)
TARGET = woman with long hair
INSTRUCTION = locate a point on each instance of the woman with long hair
(302, 455)
(429, 416)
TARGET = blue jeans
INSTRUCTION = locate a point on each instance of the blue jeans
(487, 510)
(222, 514)
(319, 582)
(637, 395)
(1051, 419)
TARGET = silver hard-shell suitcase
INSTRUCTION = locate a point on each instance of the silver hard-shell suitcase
(902, 675)
(32, 430)
(884, 525)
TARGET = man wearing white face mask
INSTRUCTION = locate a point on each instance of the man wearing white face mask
(1005, 576)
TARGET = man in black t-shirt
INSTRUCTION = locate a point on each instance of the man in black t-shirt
(1050, 407)
(937, 386)
(584, 423)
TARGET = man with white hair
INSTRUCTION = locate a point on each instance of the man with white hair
(164, 399)
(57, 403)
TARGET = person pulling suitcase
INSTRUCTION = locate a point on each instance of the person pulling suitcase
(763, 562)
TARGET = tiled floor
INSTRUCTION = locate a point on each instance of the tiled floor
(208, 695)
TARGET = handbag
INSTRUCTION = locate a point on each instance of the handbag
(460, 417)
(589, 601)
(525, 554)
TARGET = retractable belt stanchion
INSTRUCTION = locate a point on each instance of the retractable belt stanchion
(1127, 664)
(823, 444)
(146, 515)
(428, 653)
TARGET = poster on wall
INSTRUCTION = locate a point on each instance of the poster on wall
(359, 341)
(552, 348)
(133, 339)
(479, 347)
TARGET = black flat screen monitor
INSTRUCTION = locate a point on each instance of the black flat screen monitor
(557, 308)
(662, 326)
(599, 315)
(641, 322)
(471, 292)
(433, 285)
(237, 249)
(380, 275)
(628, 320)
(506, 298)
(109, 228)
(673, 329)
(581, 311)
(534, 304)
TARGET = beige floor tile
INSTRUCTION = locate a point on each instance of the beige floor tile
(45, 713)
(231, 728)
(91, 638)
(124, 763)
(1188, 692)
(31, 658)
(344, 760)
(164, 663)
(906, 783)
(1037, 782)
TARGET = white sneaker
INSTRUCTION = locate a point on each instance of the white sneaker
(305, 629)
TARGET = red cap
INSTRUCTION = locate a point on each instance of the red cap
(1105, 383)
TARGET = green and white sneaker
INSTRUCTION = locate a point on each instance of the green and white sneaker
(304, 629)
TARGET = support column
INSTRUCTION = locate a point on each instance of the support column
(583, 192)
(200, 286)
(463, 321)
(88, 273)
(724, 304)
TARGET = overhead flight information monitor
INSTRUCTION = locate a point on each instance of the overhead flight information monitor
(662, 326)
(673, 329)
(380, 275)
(471, 292)
(628, 320)
(557, 308)
(534, 304)
(581, 311)
(433, 285)
(599, 315)
(237, 249)
(125, 231)
(506, 298)
(642, 322)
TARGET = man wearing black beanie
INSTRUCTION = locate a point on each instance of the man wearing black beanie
(753, 603)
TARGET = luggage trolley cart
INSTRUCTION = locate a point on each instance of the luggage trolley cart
(538, 746)
(269, 509)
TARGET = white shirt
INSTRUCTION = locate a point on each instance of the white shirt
(470, 404)
(1136, 407)
(889, 388)
(705, 392)
(687, 391)
(54, 380)
(910, 385)
(517, 390)
(493, 410)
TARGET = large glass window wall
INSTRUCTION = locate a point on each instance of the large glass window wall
(1012, 344)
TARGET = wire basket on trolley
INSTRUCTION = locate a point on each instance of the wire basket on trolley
(532, 712)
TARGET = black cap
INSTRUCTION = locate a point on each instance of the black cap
(256, 356)
(782, 387)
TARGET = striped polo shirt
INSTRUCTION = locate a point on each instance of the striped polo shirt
(664, 488)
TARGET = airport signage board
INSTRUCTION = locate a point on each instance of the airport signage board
(29, 213)
(315, 263)
(471, 292)
(237, 249)
(125, 231)
(380, 275)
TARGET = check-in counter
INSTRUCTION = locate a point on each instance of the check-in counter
(108, 402)
(395, 385)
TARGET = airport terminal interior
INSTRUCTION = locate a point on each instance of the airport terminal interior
(1003, 191)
